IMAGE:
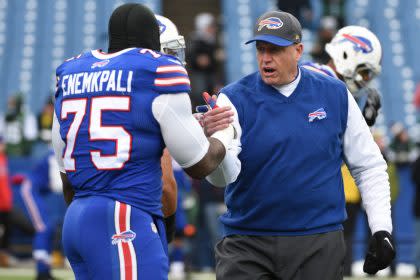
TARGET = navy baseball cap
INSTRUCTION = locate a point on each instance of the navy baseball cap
(278, 28)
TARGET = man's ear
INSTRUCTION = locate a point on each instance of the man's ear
(299, 51)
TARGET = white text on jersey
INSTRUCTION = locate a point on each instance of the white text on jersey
(90, 82)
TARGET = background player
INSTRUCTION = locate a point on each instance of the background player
(355, 58)
(42, 181)
(114, 113)
(355, 54)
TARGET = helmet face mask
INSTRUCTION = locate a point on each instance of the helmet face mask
(170, 41)
(356, 53)
(362, 76)
(175, 48)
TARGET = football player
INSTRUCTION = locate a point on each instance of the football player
(171, 43)
(355, 59)
(43, 180)
(114, 114)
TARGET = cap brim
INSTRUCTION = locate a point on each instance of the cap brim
(271, 39)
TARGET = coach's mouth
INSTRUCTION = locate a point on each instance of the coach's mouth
(268, 71)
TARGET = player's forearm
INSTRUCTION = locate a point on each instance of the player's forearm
(209, 162)
(68, 191)
(227, 171)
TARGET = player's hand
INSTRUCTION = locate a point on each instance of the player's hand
(216, 119)
(381, 252)
(372, 106)
(199, 113)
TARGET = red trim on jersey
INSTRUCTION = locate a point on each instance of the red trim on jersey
(167, 82)
(171, 69)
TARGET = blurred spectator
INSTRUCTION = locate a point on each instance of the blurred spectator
(184, 229)
(402, 150)
(203, 57)
(211, 206)
(403, 153)
(301, 9)
(327, 29)
(416, 100)
(20, 128)
(5, 207)
(45, 119)
(335, 8)
(415, 175)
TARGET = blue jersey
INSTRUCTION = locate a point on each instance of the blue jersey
(104, 107)
(320, 68)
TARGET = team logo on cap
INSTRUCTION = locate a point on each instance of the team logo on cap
(360, 43)
(270, 23)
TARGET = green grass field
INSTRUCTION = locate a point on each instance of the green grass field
(65, 274)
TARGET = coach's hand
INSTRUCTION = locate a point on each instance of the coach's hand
(216, 119)
(372, 106)
(381, 252)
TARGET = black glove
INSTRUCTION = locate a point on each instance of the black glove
(372, 106)
(381, 252)
(170, 228)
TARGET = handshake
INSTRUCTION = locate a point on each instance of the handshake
(216, 119)
(380, 254)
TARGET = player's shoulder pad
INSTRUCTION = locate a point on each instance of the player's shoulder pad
(69, 61)
(319, 68)
(322, 78)
(171, 75)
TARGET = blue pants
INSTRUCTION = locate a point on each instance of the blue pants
(106, 239)
(44, 228)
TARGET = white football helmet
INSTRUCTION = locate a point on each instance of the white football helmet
(357, 54)
(170, 41)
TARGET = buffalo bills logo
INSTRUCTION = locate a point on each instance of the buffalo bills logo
(125, 237)
(318, 114)
(360, 43)
(100, 64)
(270, 23)
(162, 27)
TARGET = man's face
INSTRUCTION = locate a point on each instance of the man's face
(278, 65)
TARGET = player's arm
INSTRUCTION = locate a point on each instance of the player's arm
(169, 186)
(215, 120)
(58, 145)
(368, 169)
(372, 106)
(68, 191)
(195, 153)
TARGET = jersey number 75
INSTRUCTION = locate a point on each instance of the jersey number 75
(97, 131)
